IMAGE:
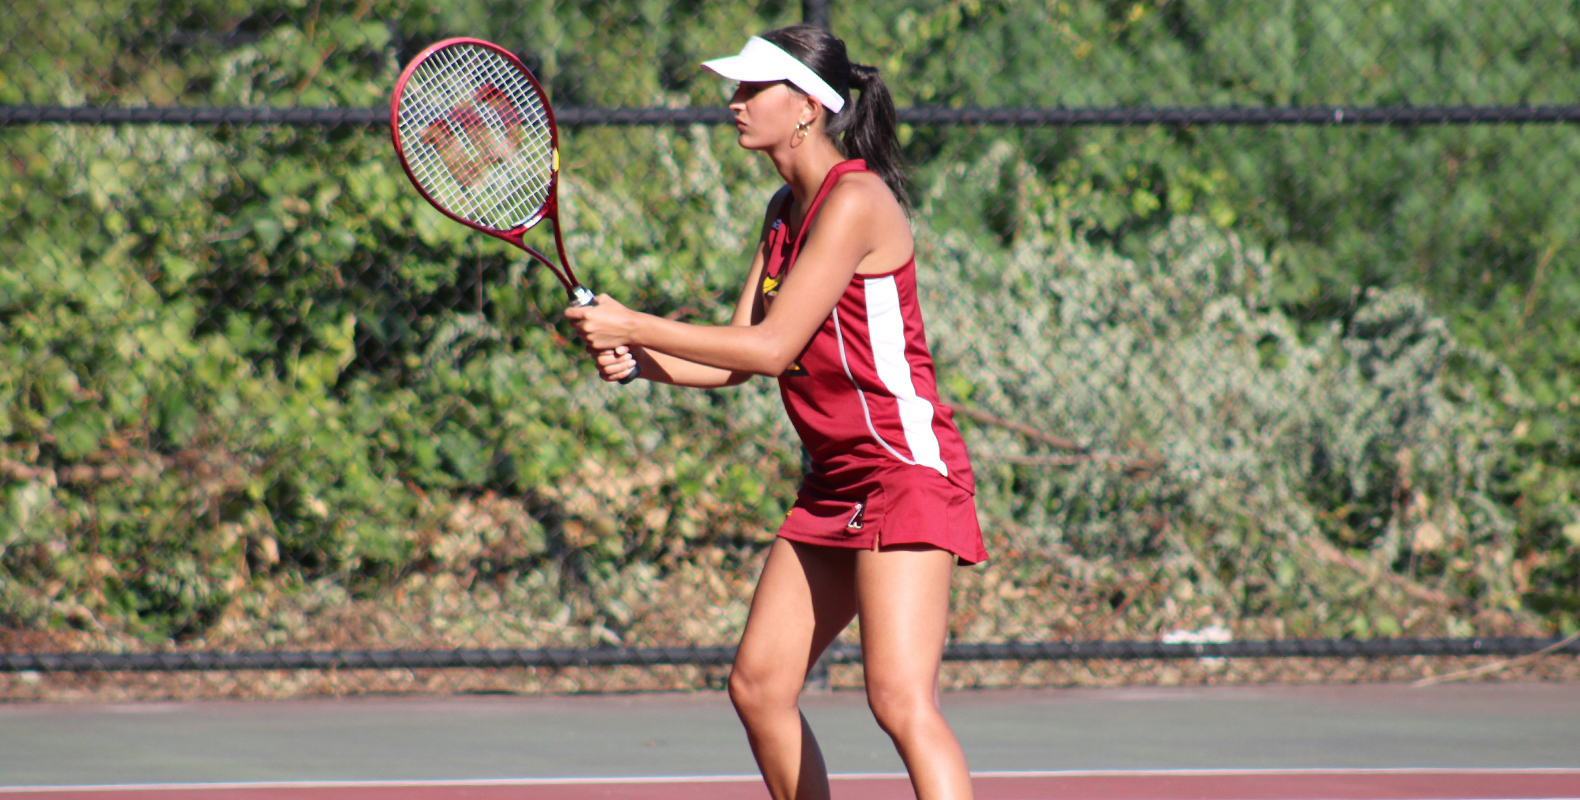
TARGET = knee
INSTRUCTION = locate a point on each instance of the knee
(756, 689)
(900, 710)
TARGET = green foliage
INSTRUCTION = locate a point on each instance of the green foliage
(1217, 439)
(241, 361)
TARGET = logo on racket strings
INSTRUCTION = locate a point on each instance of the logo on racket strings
(475, 136)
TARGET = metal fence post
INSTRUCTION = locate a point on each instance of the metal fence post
(815, 12)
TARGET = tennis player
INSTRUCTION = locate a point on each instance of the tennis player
(830, 309)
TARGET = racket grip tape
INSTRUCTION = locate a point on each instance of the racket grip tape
(584, 297)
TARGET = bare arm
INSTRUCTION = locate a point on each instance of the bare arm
(661, 367)
(853, 223)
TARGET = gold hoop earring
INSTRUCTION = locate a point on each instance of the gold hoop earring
(801, 131)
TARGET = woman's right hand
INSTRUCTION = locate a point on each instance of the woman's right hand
(615, 364)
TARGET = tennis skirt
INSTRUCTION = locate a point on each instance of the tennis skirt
(870, 507)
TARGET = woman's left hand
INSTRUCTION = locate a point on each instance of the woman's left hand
(605, 325)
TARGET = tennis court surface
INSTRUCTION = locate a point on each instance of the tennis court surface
(1448, 742)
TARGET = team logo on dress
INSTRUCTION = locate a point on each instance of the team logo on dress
(856, 517)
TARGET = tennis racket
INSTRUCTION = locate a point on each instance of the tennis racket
(476, 135)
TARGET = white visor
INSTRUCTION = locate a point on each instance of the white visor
(760, 60)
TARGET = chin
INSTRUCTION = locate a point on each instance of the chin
(750, 142)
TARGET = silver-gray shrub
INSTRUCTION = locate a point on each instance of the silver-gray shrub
(1269, 466)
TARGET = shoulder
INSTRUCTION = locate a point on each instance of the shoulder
(862, 216)
(861, 186)
(862, 195)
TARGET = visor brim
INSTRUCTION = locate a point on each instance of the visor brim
(737, 68)
(761, 61)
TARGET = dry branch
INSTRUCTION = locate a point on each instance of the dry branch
(1079, 452)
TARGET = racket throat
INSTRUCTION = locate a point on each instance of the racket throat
(583, 296)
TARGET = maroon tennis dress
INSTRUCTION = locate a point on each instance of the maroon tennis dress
(888, 464)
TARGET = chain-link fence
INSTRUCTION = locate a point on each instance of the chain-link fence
(1258, 318)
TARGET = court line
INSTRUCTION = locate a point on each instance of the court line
(855, 776)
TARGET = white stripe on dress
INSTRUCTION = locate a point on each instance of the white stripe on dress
(886, 325)
(844, 361)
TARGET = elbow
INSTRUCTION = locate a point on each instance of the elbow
(776, 359)
(760, 350)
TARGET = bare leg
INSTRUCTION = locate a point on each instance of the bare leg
(805, 597)
(903, 594)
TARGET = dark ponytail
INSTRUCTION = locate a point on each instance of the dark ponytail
(867, 127)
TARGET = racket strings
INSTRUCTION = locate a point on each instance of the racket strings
(493, 188)
(477, 138)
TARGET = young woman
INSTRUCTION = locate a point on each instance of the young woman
(830, 309)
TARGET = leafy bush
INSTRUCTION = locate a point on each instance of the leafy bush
(1204, 429)
(1319, 375)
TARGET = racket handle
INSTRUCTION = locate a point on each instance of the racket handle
(636, 372)
(584, 297)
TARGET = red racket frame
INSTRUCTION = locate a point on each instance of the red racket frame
(580, 294)
(550, 209)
